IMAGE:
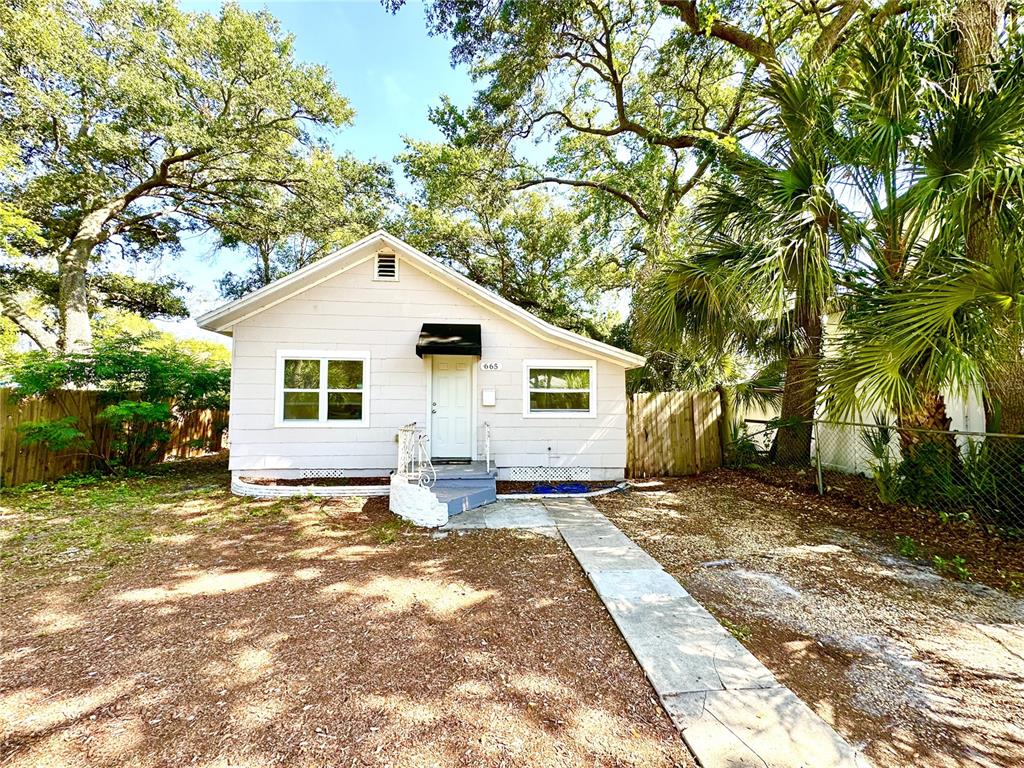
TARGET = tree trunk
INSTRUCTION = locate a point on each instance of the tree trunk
(926, 424)
(73, 299)
(264, 250)
(976, 25)
(793, 440)
(1004, 456)
(73, 266)
(1005, 406)
(1004, 401)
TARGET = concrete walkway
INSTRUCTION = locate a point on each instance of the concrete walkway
(524, 515)
(730, 709)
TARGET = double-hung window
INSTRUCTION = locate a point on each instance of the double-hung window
(322, 388)
(559, 388)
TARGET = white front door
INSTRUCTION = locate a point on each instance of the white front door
(451, 408)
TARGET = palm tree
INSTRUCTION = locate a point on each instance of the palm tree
(887, 91)
(954, 319)
(771, 234)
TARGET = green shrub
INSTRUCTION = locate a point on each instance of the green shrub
(907, 547)
(140, 430)
(993, 480)
(884, 469)
(956, 566)
(980, 483)
(56, 435)
(741, 450)
(127, 367)
(142, 386)
(925, 478)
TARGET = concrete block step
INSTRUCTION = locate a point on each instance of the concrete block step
(460, 499)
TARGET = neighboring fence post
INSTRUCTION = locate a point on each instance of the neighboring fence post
(817, 459)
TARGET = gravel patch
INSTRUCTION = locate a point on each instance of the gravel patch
(921, 669)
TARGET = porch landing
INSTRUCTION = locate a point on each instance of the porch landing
(464, 470)
(504, 515)
(464, 486)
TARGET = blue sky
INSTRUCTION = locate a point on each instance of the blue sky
(386, 65)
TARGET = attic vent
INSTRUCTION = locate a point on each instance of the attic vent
(387, 267)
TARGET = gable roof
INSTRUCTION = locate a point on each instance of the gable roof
(224, 317)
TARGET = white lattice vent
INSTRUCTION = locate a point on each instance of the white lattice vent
(548, 474)
(322, 473)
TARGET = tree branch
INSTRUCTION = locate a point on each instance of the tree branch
(163, 173)
(608, 188)
(756, 46)
(830, 35)
(35, 330)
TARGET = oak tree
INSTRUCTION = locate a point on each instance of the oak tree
(134, 121)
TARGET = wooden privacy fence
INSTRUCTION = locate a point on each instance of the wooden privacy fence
(673, 433)
(196, 433)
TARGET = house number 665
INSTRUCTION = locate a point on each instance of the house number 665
(488, 366)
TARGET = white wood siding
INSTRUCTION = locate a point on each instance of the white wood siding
(352, 311)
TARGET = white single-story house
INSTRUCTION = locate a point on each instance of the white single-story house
(330, 362)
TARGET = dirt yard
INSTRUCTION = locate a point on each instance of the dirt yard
(921, 669)
(161, 621)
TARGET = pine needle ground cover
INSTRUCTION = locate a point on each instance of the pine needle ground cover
(159, 620)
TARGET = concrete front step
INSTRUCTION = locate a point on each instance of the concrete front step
(463, 482)
(460, 498)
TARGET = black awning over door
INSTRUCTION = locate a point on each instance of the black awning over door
(448, 339)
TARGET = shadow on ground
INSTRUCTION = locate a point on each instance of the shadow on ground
(311, 633)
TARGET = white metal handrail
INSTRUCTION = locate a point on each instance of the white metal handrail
(487, 444)
(414, 455)
(427, 474)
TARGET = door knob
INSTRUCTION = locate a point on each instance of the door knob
(433, 410)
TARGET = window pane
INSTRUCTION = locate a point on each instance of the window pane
(559, 401)
(344, 406)
(559, 378)
(344, 374)
(302, 374)
(302, 405)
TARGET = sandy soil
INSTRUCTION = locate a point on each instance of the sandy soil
(994, 558)
(921, 669)
(307, 633)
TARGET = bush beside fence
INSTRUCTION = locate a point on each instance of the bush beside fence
(196, 433)
(959, 475)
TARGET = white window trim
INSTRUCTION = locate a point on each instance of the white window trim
(590, 365)
(376, 274)
(323, 356)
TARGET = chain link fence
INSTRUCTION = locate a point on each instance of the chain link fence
(961, 476)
